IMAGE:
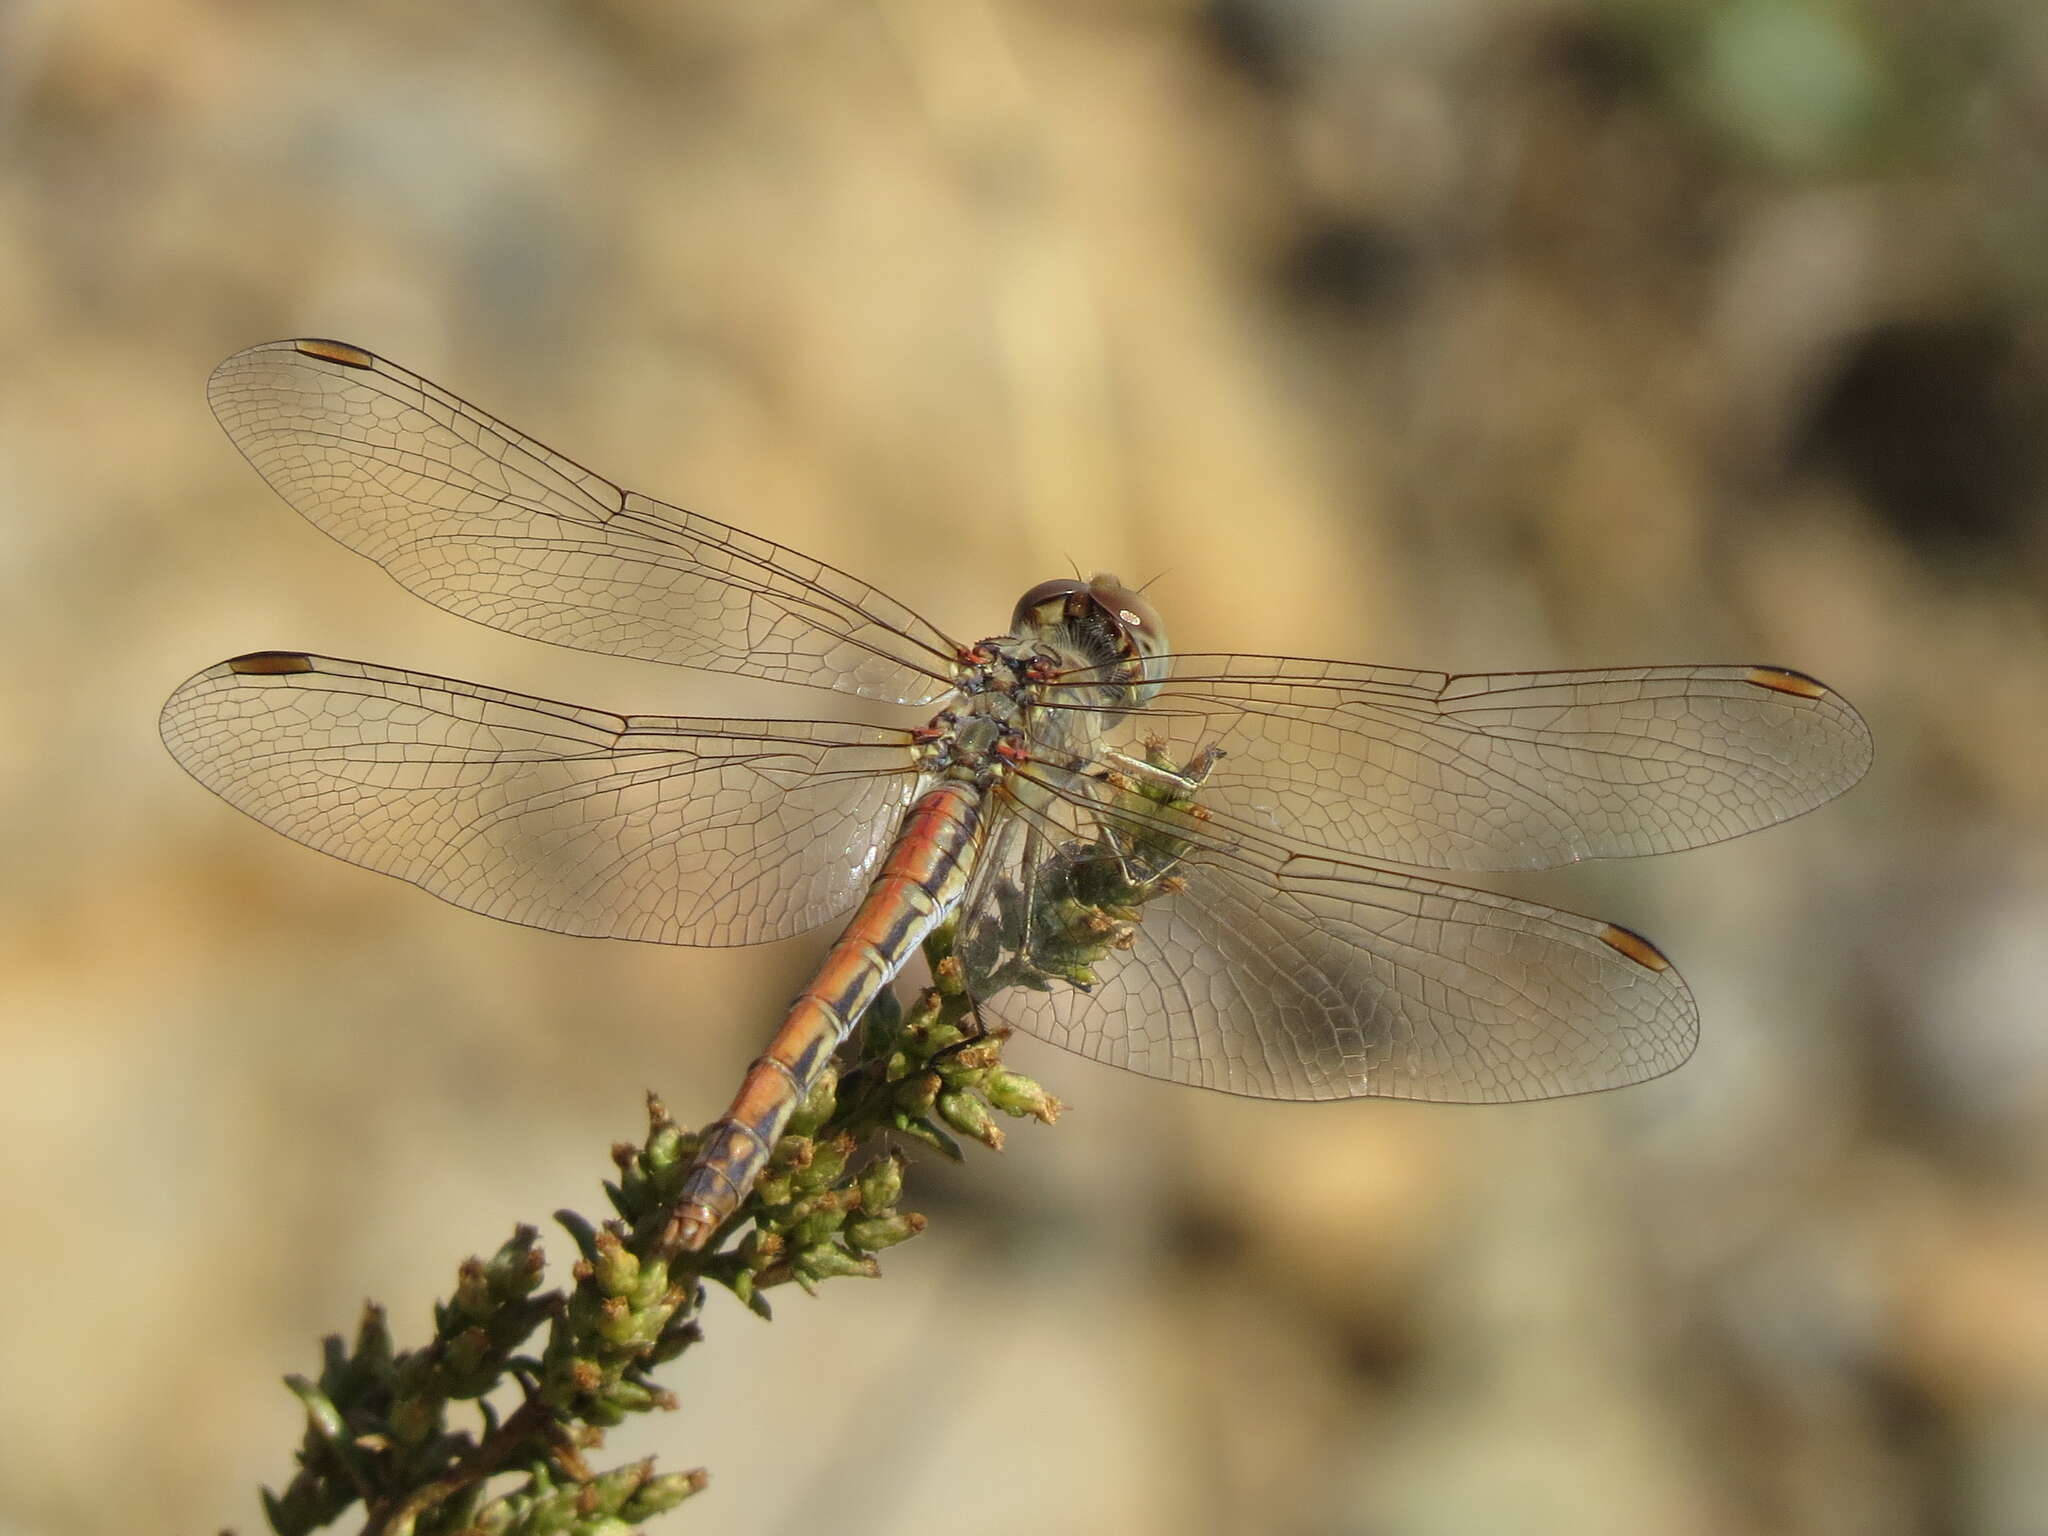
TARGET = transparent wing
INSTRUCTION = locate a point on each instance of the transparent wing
(708, 832)
(1304, 977)
(1518, 770)
(480, 519)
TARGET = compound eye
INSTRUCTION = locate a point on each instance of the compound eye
(1128, 610)
(1030, 614)
(1143, 632)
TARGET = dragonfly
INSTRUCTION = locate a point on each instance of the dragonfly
(1281, 813)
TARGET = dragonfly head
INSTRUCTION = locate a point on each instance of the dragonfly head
(1105, 623)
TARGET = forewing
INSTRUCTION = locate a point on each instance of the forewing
(480, 519)
(1296, 977)
(709, 832)
(1506, 770)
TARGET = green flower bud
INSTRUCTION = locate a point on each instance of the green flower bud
(916, 1095)
(615, 1268)
(881, 1184)
(414, 1419)
(828, 1261)
(628, 1397)
(761, 1248)
(970, 1117)
(977, 1056)
(876, 1232)
(819, 1218)
(1015, 1094)
(817, 1106)
(828, 1162)
(373, 1342)
(667, 1147)
(472, 1296)
(660, 1494)
(467, 1350)
(775, 1189)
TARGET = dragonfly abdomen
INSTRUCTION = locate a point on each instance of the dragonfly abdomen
(919, 884)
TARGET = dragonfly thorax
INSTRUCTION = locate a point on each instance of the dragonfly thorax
(1015, 701)
(980, 735)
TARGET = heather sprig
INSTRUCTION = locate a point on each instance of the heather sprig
(543, 1373)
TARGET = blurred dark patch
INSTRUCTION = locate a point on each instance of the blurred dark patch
(1248, 36)
(1382, 1349)
(1354, 266)
(1376, 1342)
(1597, 60)
(1920, 1437)
(1939, 427)
(1200, 1234)
(1891, 1077)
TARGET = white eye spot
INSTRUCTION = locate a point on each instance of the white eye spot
(1130, 618)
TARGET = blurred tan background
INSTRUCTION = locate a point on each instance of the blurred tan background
(1481, 335)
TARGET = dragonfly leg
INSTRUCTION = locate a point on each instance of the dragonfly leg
(974, 1029)
(1187, 779)
(1156, 787)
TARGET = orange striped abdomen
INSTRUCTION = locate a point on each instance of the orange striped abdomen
(918, 886)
